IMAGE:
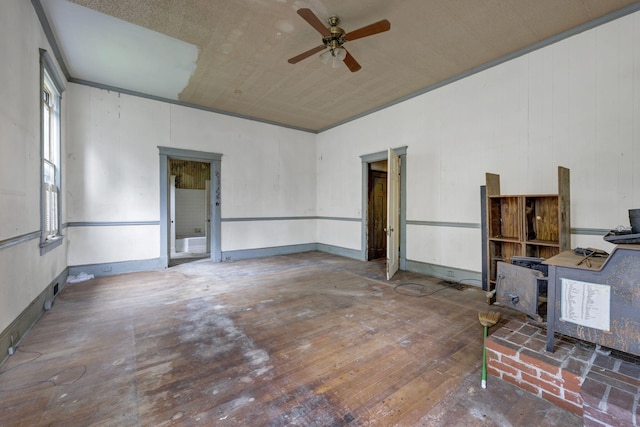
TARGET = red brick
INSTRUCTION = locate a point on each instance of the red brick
(493, 371)
(564, 342)
(529, 330)
(537, 382)
(492, 355)
(610, 378)
(604, 361)
(573, 397)
(501, 346)
(592, 392)
(604, 418)
(582, 353)
(518, 338)
(565, 404)
(561, 354)
(520, 366)
(575, 367)
(588, 421)
(514, 324)
(536, 345)
(501, 333)
(629, 369)
(553, 379)
(620, 405)
(540, 361)
(503, 368)
(521, 384)
(510, 379)
(572, 386)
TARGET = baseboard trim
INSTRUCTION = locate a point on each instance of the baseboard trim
(29, 316)
(264, 252)
(338, 250)
(111, 268)
(467, 277)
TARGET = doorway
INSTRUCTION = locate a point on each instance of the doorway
(377, 211)
(186, 170)
(190, 210)
(373, 171)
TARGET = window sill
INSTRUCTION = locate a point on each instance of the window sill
(50, 244)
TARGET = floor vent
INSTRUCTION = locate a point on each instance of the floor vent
(450, 284)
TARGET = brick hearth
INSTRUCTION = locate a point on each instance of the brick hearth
(577, 376)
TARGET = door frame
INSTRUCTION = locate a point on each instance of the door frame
(214, 159)
(372, 158)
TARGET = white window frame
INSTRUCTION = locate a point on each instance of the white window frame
(50, 95)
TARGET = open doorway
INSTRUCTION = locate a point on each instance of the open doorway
(377, 211)
(384, 208)
(212, 202)
(190, 210)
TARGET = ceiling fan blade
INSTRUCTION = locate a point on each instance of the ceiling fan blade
(314, 21)
(369, 30)
(351, 62)
(306, 54)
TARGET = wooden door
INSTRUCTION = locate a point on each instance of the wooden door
(393, 213)
(377, 221)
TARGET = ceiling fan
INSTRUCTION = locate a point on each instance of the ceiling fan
(334, 37)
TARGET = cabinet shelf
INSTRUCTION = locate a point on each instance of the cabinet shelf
(543, 242)
(504, 239)
(523, 225)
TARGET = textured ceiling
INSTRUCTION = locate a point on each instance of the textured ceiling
(231, 55)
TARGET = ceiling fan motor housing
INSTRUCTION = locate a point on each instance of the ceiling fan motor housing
(336, 38)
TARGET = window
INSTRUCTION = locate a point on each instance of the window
(51, 88)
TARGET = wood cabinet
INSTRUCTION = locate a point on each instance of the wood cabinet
(531, 225)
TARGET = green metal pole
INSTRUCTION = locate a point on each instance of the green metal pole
(484, 357)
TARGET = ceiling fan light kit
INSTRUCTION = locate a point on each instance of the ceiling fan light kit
(336, 55)
(334, 37)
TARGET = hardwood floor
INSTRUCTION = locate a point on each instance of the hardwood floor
(305, 340)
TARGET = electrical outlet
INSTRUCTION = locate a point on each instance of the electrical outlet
(106, 269)
(449, 273)
(12, 348)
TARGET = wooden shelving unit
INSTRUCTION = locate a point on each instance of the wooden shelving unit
(532, 225)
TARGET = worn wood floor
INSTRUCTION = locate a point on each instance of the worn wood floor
(304, 340)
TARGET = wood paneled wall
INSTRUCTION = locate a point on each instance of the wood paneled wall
(189, 174)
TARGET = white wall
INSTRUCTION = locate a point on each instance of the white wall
(575, 104)
(112, 174)
(113, 169)
(190, 212)
(24, 273)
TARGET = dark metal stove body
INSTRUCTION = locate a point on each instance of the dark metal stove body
(597, 301)
(522, 285)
